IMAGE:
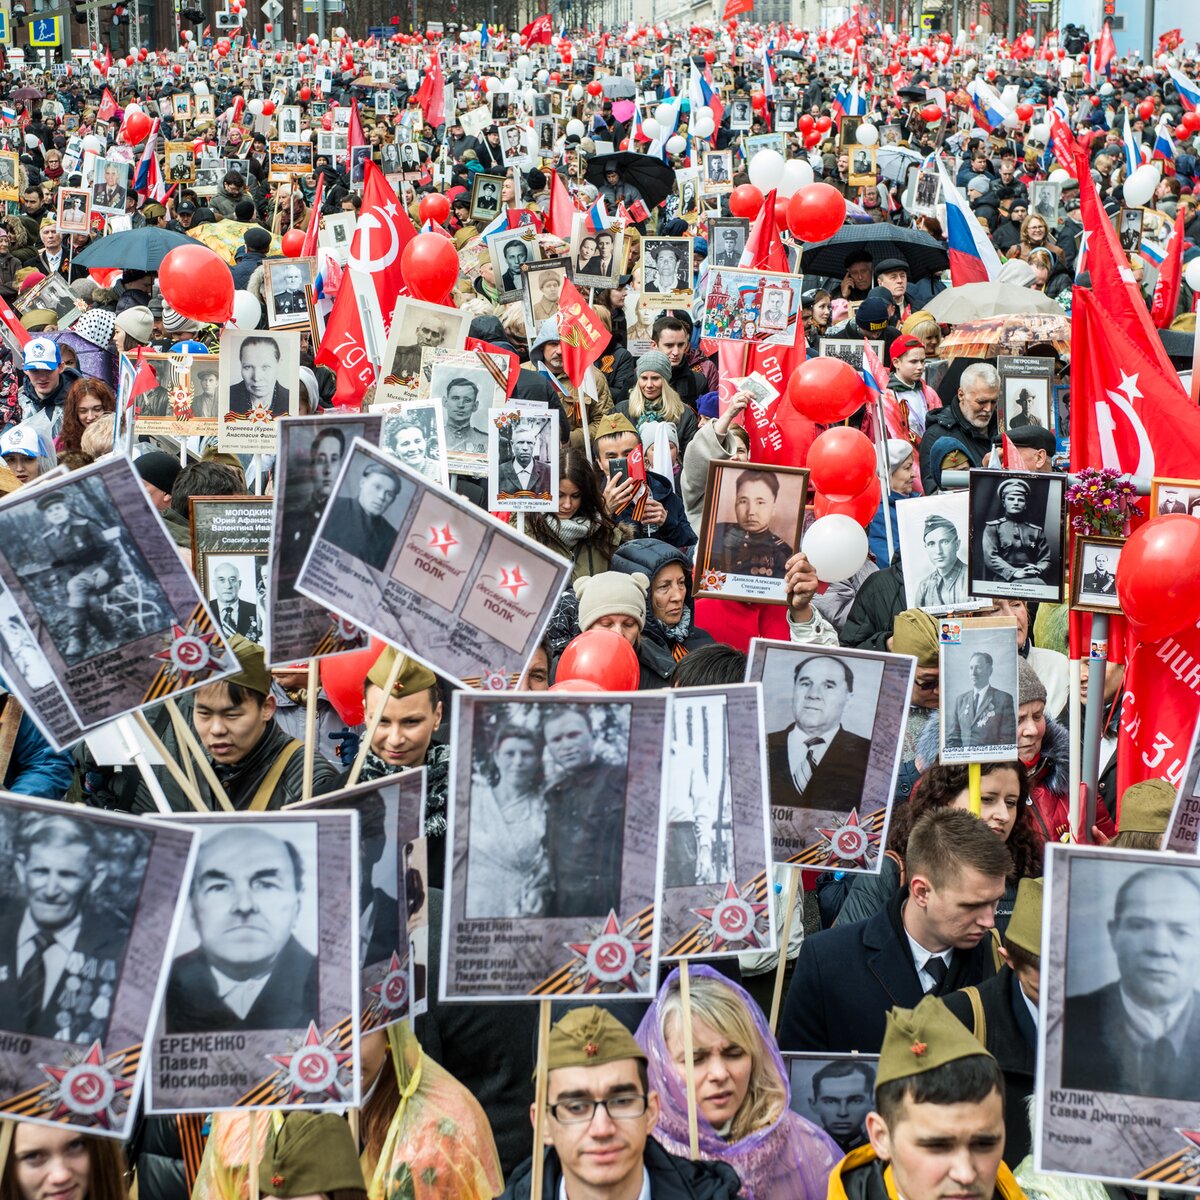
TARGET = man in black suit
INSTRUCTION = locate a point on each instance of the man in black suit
(982, 715)
(523, 473)
(1140, 1035)
(58, 946)
(814, 762)
(234, 614)
(515, 253)
(248, 972)
(258, 359)
(358, 525)
(934, 935)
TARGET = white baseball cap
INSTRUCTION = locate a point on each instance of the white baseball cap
(41, 354)
(22, 440)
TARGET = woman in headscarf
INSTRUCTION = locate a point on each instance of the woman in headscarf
(742, 1090)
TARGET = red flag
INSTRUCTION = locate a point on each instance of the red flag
(1106, 49)
(583, 334)
(431, 95)
(314, 221)
(343, 349)
(539, 31)
(1012, 456)
(13, 322)
(763, 250)
(734, 8)
(108, 107)
(1066, 148)
(560, 214)
(355, 136)
(1170, 275)
(382, 232)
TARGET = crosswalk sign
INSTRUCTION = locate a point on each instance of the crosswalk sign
(45, 31)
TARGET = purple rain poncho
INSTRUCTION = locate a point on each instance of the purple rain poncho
(789, 1160)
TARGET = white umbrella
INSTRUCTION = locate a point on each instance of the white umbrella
(972, 301)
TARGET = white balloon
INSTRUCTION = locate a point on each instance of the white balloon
(702, 112)
(1058, 175)
(867, 135)
(543, 77)
(836, 546)
(702, 128)
(664, 114)
(676, 144)
(575, 128)
(32, 142)
(650, 127)
(1106, 89)
(577, 92)
(255, 108)
(93, 143)
(1038, 133)
(247, 311)
(132, 106)
(1191, 274)
(766, 169)
(796, 174)
(1139, 187)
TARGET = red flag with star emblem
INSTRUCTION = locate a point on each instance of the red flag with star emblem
(583, 334)
(382, 232)
(343, 350)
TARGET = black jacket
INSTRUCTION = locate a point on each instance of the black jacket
(879, 602)
(948, 422)
(671, 1177)
(1010, 1037)
(847, 978)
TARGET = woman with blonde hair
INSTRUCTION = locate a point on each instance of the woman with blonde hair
(742, 1090)
(652, 398)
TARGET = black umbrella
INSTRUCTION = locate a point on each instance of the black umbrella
(133, 249)
(925, 255)
(651, 176)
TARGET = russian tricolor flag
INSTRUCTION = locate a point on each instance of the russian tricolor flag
(598, 219)
(1189, 92)
(1164, 145)
(990, 111)
(973, 258)
(1131, 146)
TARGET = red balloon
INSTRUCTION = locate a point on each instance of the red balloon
(824, 124)
(781, 203)
(594, 88)
(709, 56)
(292, 243)
(603, 657)
(343, 677)
(1181, 132)
(1025, 112)
(745, 200)
(931, 113)
(1146, 109)
(812, 138)
(268, 107)
(136, 127)
(305, 92)
(575, 685)
(1095, 101)
(841, 462)
(1192, 120)
(806, 123)
(429, 264)
(827, 390)
(1158, 576)
(860, 508)
(433, 207)
(197, 284)
(816, 212)
(758, 101)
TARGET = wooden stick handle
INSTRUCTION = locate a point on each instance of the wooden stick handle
(187, 738)
(186, 786)
(539, 1099)
(689, 1066)
(310, 727)
(376, 717)
(785, 936)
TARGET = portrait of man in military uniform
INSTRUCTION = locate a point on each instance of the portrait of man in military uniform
(747, 545)
(1016, 536)
(289, 305)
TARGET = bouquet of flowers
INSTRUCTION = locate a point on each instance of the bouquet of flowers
(1102, 503)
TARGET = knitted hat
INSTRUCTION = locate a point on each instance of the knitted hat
(914, 632)
(174, 322)
(1146, 807)
(709, 405)
(979, 183)
(1030, 688)
(310, 1154)
(137, 322)
(158, 468)
(590, 1037)
(1025, 925)
(922, 1039)
(656, 361)
(612, 593)
(898, 451)
(872, 316)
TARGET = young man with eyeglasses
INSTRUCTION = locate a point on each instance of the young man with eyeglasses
(597, 1124)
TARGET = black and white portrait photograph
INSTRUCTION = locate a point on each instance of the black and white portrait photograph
(553, 828)
(785, 116)
(415, 433)
(523, 458)
(82, 886)
(486, 202)
(10, 173)
(362, 519)
(410, 160)
(74, 210)
(1094, 574)
(716, 171)
(284, 281)
(502, 104)
(1119, 1020)
(267, 950)
(234, 594)
(1129, 229)
(750, 526)
(512, 146)
(418, 326)
(466, 393)
(1026, 390)
(667, 271)
(510, 250)
(460, 584)
(596, 257)
(311, 452)
(391, 895)
(862, 167)
(237, 531)
(289, 123)
(687, 186)
(259, 382)
(336, 234)
(715, 835)
(110, 185)
(185, 400)
(53, 293)
(94, 574)
(978, 688)
(726, 240)
(835, 1092)
(209, 174)
(359, 157)
(1017, 532)
(1045, 198)
(181, 162)
(546, 133)
(835, 720)
(928, 188)
(934, 541)
(1175, 496)
(848, 350)
(740, 113)
(543, 284)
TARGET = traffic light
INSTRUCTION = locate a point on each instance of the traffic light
(192, 14)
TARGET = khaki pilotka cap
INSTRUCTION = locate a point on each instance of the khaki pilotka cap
(589, 1037)
(922, 1039)
(309, 1154)
(413, 677)
(915, 632)
(1146, 807)
(1025, 925)
(252, 663)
